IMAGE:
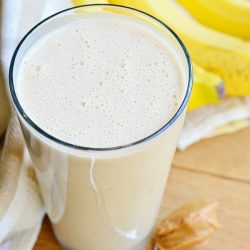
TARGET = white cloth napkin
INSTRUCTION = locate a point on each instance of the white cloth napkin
(21, 208)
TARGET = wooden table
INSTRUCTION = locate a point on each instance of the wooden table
(216, 169)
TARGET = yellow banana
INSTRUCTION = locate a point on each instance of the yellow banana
(81, 2)
(229, 16)
(225, 55)
(208, 88)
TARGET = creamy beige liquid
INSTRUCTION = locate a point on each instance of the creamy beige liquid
(102, 81)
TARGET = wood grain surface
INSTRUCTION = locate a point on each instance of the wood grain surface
(214, 169)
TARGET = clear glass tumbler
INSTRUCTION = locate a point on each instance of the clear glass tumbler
(101, 198)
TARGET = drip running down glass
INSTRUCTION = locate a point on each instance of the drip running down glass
(101, 92)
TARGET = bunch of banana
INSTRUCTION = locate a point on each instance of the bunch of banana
(229, 16)
(224, 56)
(81, 2)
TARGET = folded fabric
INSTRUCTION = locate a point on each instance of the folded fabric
(214, 120)
(4, 105)
(19, 194)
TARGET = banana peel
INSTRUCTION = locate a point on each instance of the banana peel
(229, 16)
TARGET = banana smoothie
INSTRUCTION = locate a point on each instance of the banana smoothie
(99, 88)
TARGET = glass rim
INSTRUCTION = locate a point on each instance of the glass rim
(159, 131)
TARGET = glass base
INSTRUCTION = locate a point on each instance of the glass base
(140, 246)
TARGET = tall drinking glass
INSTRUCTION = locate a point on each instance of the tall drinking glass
(101, 198)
